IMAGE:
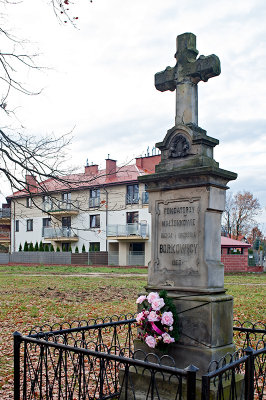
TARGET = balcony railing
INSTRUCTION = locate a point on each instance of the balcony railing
(94, 202)
(145, 198)
(5, 212)
(54, 233)
(132, 199)
(4, 235)
(128, 230)
(61, 205)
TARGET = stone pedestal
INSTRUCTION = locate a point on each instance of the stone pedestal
(206, 330)
(186, 201)
(168, 389)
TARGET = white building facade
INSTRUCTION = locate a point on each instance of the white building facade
(99, 210)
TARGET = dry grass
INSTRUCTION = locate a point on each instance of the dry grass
(27, 301)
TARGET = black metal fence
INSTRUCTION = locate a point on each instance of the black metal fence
(95, 360)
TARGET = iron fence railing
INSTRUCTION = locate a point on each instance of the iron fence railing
(95, 359)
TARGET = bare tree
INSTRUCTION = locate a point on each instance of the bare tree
(20, 154)
(240, 212)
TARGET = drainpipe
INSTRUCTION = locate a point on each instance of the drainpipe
(14, 226)
(106, 215)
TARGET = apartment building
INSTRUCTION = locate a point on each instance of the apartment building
(5, 228)
(103, 210)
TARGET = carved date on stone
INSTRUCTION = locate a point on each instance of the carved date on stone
(179, 147)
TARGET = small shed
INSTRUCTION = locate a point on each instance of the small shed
(234, 255)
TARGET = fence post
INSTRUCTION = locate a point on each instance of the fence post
(17, 341)
(191, 381)
(205, 387)
(249, 374)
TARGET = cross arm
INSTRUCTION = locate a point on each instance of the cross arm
(165, 80)
(204, 68)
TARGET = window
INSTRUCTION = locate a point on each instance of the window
(28, 202)
(132, 194)
(94, 198)
(145, 196)
(17, 225)
(95, 221)
(94, 193)
(66, 246)
(136, 247)
(94, 246)
(47, 202)
(132, 217)
(29, 225)
(46, 223)
(66, 196)
(66, 222)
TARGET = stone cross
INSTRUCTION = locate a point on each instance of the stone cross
(185, 75)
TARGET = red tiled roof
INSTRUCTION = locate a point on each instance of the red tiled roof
(124, 174)
(228, 242)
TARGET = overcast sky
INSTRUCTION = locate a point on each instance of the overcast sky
(99, 78)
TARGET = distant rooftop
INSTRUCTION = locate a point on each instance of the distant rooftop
(228, 242)
(93, 177)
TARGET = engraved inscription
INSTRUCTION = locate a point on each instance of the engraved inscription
(177, 247)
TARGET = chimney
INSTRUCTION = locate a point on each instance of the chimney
(91, 169)
(148, 163)
(110, 166)
(31, 183)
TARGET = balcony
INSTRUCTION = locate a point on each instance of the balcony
(132, 199)
(5, 214)
(62, 207)
(4, 236)
(60, 234)
(145, 198)
(128, 231)
(94, 202)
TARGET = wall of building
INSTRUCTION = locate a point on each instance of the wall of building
(112, 210)
(237, 262)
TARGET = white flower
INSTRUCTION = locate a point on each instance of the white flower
(140, 299)
(157, 304)
(167, 338)
(152, 296)
(167, 318)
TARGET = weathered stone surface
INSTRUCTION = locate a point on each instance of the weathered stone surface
(185, 75)
(186, 201)
(186, 244)
(166, 389)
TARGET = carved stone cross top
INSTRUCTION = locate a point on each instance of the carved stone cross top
(185, 75)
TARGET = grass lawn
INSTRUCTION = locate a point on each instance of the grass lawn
(34, 295)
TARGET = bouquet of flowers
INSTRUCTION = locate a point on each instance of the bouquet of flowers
(157, 320)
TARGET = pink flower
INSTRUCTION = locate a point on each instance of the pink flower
(167, 338)
(139, 317)
(153, 316)
(140, 299)
(157, 304)
(150, 341)
(152, 296)
(167, 318)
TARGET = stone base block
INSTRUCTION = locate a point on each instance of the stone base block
(140, 385)
(187, 355)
